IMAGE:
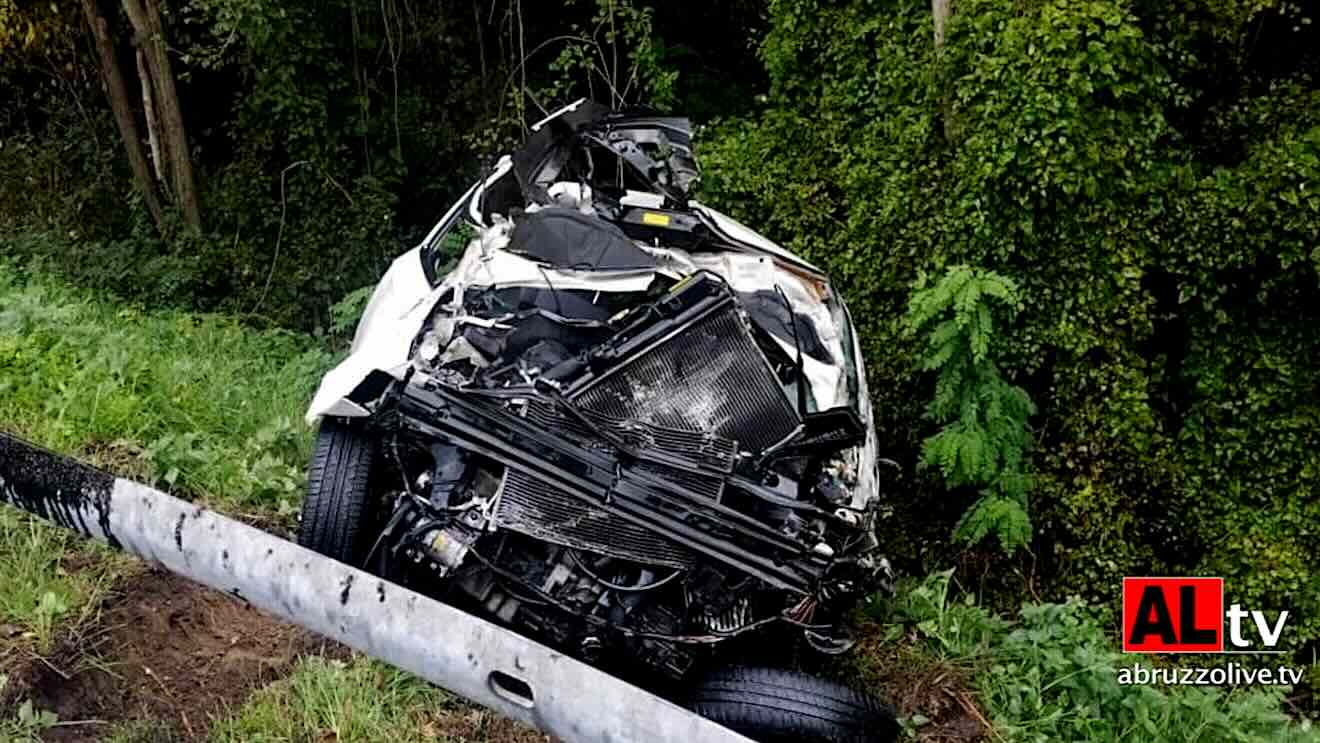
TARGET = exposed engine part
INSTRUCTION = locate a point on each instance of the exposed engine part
(735, 616)
(447, 474)
(445, 547)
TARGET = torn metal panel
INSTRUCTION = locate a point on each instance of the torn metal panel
(747, 237)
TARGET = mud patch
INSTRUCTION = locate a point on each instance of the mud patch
(918, 684)
(168, 651)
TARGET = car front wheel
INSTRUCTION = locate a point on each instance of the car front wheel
(339, 508)
(770, 705)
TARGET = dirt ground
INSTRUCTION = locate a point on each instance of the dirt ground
(165, 650)
(920, 685)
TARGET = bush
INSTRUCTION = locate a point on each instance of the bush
(1150, 186)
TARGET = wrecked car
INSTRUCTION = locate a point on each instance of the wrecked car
(621, 423)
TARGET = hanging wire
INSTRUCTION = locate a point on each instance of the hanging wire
(573, 554)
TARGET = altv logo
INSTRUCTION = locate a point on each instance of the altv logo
(1186, 615)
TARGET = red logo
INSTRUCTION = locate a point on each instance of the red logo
(1173, 615)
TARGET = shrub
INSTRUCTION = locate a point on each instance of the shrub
(984, 418)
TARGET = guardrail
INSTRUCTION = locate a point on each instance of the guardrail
(450, 648)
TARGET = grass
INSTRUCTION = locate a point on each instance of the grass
(360, 700)
(37, 589)
(26, 724)
(199, 405)
(141, 731)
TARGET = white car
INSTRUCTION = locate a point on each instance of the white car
(622, 423)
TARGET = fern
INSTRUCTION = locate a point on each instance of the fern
(996, 515)
(984, 434)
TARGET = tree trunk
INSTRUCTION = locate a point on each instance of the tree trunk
(941, 9)
(153, 124)
(150, 35)
(117, 93)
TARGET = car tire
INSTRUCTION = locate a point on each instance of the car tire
(339, 507)
(771, 705)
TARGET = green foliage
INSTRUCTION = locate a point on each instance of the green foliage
(984, 432)
(69, 179)
(326, 136)
(1147, 174)
(197, 404)
(31, 27)
(618, 57)
(954, 629)
(1051, 675)
(345, 313)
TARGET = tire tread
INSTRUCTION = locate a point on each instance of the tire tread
(338, 492)
(772, 705)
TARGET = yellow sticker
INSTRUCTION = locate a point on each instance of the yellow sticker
(676, 288)
(659, 220)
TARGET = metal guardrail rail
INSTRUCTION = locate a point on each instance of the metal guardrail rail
(450, 648)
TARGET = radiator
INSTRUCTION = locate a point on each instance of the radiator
(705, 374)
(536, 509)
(687, 381)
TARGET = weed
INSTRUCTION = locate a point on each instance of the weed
(955, 630)
(36, 591)
(26, 724)
(142, 731)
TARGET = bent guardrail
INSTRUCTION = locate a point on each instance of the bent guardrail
(450, 648)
